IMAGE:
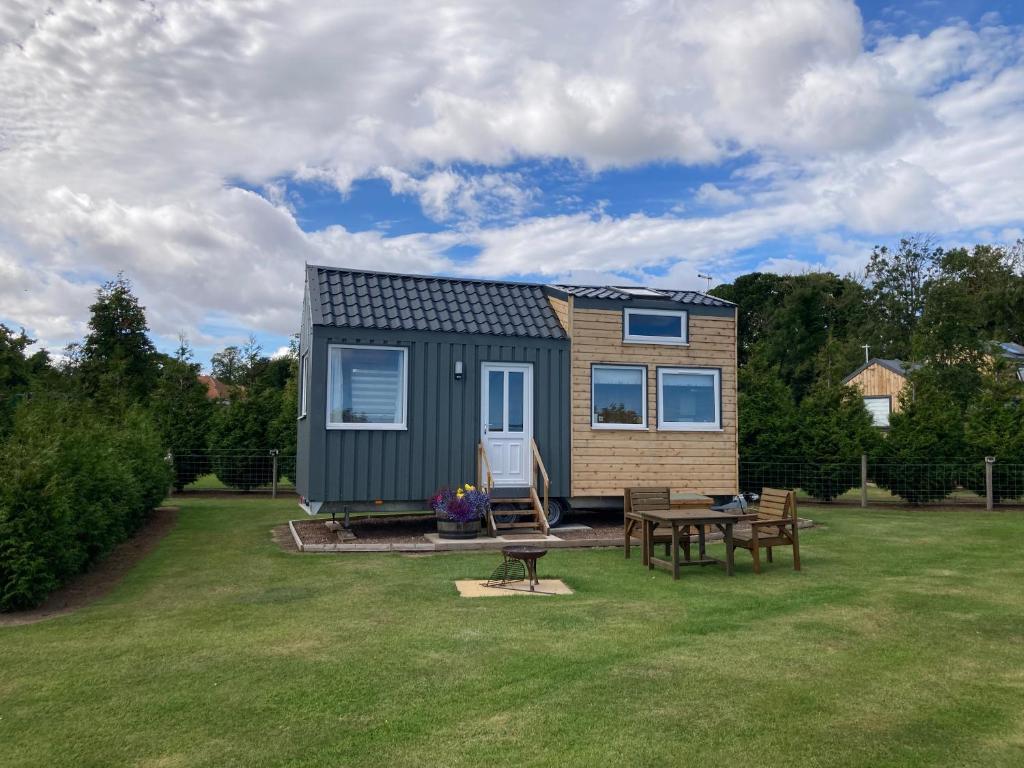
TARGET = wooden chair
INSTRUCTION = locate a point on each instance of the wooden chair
(635, 502)
(775, 526)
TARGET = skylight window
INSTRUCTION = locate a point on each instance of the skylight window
(644, 292)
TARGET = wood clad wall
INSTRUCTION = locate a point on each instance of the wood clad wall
(878, 381)
(604, 461)
(561, 307)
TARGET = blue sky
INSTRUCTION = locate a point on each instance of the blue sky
(226, 146)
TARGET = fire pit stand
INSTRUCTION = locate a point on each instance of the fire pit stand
(517, 562)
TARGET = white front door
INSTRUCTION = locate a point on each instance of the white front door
(507, 420)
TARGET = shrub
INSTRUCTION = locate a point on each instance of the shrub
(239, 436)
(927, 429)
(995, 427)
(72, 486)
(833, 430)
(767, 424)
(182, 413)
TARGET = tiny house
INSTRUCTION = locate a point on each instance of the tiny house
(409, 383)
(881, 382)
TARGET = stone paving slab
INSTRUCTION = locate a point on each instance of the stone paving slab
(477, 588)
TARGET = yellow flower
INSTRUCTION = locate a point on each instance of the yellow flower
(470, 487)
(458, 494)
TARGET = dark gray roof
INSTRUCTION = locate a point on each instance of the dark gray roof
(621, 293)
(1011, 350)
(896, 366)
(359, 299)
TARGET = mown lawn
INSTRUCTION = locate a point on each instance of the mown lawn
(901, 644)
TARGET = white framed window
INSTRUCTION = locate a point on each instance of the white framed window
(654, 326)
(618, 397)
(303, 385)
(367, 387)
(690, 399)
(880, 408)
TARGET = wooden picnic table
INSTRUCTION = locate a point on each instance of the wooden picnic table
(681, 520)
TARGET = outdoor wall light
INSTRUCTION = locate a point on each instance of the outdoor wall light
(458, 370)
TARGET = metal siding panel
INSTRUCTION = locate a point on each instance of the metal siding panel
(440, 444)
(445, 468)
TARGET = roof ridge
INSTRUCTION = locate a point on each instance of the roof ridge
(419, 276)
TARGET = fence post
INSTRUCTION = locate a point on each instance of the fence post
(863, 480)
(989, 461)
(273, 482)
(170, 460)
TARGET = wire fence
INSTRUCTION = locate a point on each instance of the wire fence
(245, 471)
(866, 482)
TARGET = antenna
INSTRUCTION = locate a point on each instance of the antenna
(709, 278)
(866, 348)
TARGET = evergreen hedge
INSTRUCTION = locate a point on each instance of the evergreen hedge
(72, 486)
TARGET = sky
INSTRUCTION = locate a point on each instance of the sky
(210, 149)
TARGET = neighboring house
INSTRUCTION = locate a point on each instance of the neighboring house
(881, 382)
(216, 389)
(1013, 353)
(406, 381)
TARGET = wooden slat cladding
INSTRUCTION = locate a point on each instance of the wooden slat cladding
(606, 461)
(878, 381)
(561, 307)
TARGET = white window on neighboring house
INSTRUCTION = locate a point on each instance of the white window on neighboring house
(303, 385)
(367, 387)
(879, 408)
(690, 399)
(654, 326)
(618, 397)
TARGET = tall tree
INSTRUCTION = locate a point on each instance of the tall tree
(757, 295)
(15, 373)
(227, 366)
(976, 296)
(119, 365)
(808, 334)
(899, 281)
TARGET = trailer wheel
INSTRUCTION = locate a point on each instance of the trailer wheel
(507, 513)
(556, 512)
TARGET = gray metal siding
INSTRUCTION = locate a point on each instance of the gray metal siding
(439, 446)
(302, 425)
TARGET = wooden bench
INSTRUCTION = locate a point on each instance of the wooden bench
(775, 526)
(636, 501)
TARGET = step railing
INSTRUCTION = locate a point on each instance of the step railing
(538, 466)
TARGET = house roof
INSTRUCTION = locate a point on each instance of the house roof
(898, 367)
(385, 301)
(626, 292)
(215, 388)
(1011, 350)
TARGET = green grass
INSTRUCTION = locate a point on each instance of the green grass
(901, 644)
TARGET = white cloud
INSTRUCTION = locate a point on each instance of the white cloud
(711, 194)
(446, 195)
(124, 125)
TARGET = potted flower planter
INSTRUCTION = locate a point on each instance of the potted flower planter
(458, 529)
(459, 512)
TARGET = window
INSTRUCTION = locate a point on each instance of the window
(654, 326)
(879, 408)
(303, 384)
(367, 387)
(618, 397)
(689, 398)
